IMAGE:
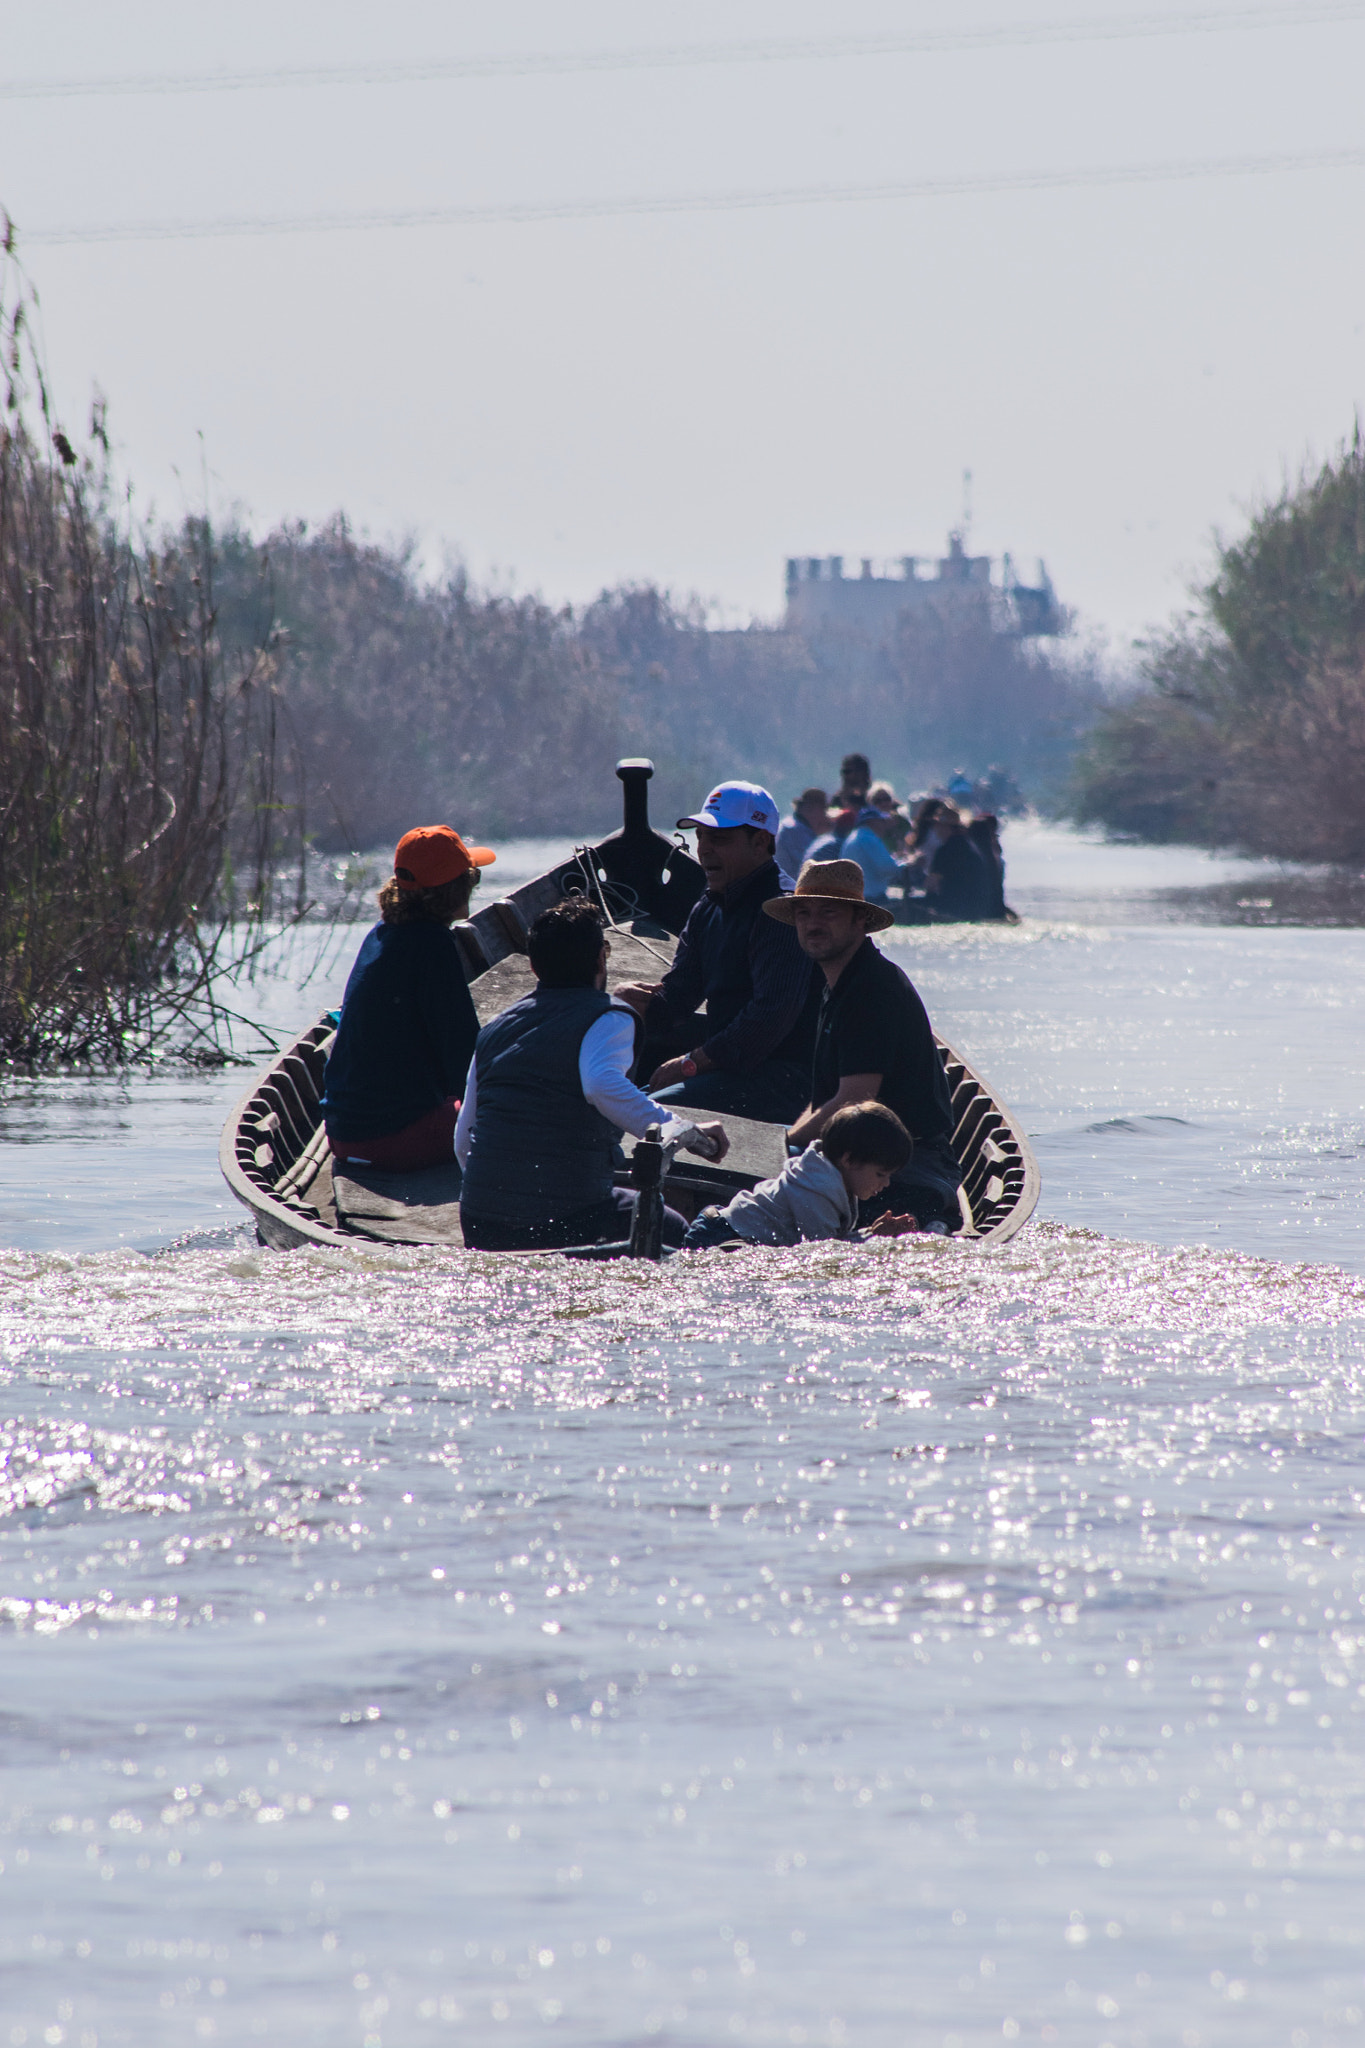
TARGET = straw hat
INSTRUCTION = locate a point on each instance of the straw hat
(830, 881)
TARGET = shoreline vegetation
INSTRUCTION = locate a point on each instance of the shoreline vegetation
(188, 714)
(1246, 732)
(408, 696)
(142, 836)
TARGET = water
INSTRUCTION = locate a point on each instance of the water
(906, 1644)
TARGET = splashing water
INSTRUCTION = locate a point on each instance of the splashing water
(872, 1644)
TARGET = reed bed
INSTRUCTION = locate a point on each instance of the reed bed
(141, 828)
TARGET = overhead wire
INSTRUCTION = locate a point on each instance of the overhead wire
(971, 186)
(531, 64)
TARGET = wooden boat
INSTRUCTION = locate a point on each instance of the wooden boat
(274, 1152)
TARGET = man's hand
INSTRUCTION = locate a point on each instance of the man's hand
(637, 995)
(811, 1122)
(666, 1075)
(893, 1226)
(719, 1137)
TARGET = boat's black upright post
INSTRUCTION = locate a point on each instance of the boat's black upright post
(662, 879)
(647, 1176)
(635, 776)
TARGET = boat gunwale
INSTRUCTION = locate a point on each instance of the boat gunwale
(494, 934)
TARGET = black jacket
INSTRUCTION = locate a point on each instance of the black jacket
(406, 1036)
(759, 988)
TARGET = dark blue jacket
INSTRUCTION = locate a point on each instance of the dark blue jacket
(760, 990)
(540, 1150)
(406, 1036)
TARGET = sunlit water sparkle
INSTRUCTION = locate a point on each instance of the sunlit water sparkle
(905, 1644)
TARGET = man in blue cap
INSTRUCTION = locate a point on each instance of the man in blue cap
(750, 1054)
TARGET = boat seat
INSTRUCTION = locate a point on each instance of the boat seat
(757, 1152)
(400, 1208)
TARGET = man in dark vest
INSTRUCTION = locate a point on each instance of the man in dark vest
(750, 1055)
(547, 1098)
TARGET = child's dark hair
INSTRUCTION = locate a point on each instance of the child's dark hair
(565, 944)
(868, 1133)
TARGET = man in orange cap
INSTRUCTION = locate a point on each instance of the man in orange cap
(408, 1024)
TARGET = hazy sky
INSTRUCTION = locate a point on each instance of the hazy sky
(689, 396)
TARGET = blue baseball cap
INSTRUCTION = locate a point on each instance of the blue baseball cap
(737, 803)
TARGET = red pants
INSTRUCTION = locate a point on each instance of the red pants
(428, 1142)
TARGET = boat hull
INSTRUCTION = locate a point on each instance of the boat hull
(274, 1153)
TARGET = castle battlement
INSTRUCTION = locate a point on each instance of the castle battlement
(819, 593)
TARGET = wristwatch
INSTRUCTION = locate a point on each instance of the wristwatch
(688, 1065)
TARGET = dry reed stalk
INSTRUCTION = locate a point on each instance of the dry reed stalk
(140, 828)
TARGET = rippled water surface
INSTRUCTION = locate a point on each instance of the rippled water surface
(908, 1644)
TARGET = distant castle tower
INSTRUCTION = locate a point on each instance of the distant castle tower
(819, 593)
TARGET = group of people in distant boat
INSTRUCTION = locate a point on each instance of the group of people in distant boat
(777, 1006)
(928, 864)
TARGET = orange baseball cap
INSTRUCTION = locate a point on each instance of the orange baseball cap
(432, 854)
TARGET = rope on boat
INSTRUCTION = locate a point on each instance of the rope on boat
(631, 903)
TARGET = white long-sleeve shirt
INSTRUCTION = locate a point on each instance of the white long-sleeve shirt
(603, 1069)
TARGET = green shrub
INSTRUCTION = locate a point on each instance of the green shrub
(1249, 730)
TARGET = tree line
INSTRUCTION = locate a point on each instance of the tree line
(187, 714)
(411, 698)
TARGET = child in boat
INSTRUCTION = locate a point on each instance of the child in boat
(816, 1195)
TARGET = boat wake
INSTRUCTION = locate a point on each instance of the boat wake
(631, 1589)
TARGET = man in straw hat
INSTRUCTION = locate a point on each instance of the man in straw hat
(873, 1039)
